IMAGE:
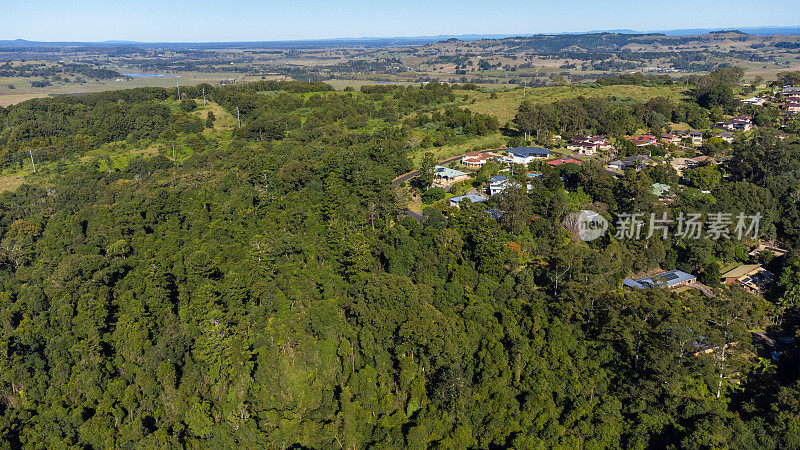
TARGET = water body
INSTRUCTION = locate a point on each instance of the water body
(150, 75)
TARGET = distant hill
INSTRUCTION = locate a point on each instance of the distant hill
(394, 41)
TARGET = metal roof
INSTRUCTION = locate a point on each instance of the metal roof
(741, 271)
(529, 151)
(447, 172)
(671, 278)
(474, 198)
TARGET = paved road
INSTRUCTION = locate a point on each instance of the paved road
(414, 173)
(409, 175)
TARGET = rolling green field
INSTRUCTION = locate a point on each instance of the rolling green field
(505, 106)
(23, 90)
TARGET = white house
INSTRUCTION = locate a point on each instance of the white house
(525, 155)
(499, 183)
(754, 101)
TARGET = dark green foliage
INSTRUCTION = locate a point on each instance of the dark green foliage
(266, 290)
(433, 194)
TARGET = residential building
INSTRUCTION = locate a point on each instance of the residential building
(476, 159)
(644, 140)
(793, 107)
(669, 138)
(680, 164)
(558, 162)
(588, 145)
(726, 136)
(499, 183)
(525, 155)
(670, 280)
(696, 137)
(474, 198)
(445, 176)
(636, 161)
(761, 247)
(751, 277)
(754, 101)
(740, 123)
(661, 190)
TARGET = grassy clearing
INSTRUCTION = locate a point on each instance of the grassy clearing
(448, 151)
(505, 106)
(11, 182)
(222, 119)
(23, 90)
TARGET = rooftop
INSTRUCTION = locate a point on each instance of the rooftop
(741, 271)
(660, 189)
(558, 162)
(529, 151)
(474, 198)
(447, 172)
(667, 279)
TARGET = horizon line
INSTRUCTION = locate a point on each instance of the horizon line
(477, 36)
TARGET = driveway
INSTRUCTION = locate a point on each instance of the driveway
(409, 175)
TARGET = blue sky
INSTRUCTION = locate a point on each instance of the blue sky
(252, 20)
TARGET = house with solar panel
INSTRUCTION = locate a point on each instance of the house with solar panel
(668, 280)
(444, 176)
(752, 278)
(524, 155)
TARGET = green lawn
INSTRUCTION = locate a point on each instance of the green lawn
(477, 143)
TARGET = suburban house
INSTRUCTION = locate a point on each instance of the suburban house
(740, 123)
(644, 140)
(751, 277)
(474, 198)
(476, 159)
(680, 164)
(525, 155)
(754, 101)
(499, 183)
(661, 190)
(558, 162)
(790, 90)
(726, 136)
(761, 247)
(588, 145)
(669, 138)
(696, 137)
(637, 162)
(793, 107)
(671, 279)
(445, 176)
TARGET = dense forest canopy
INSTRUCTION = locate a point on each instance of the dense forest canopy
(266, 290)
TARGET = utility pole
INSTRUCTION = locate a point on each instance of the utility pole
(237, 117)
(34, 164)
(204, 96)
(179, 90)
